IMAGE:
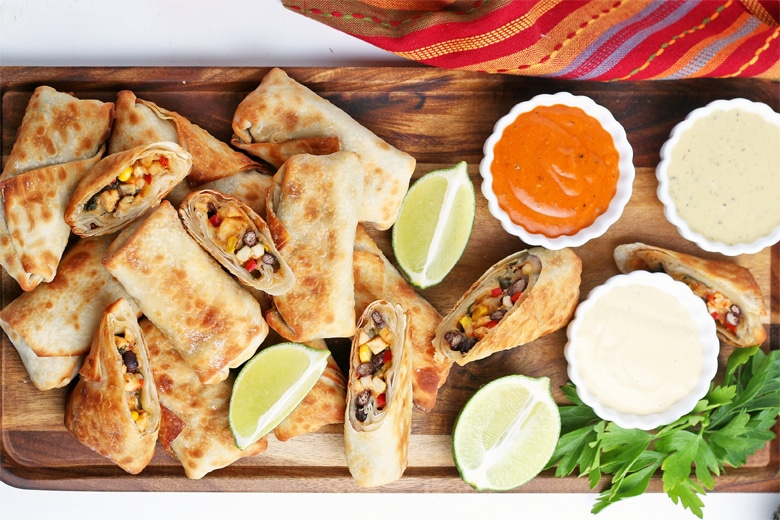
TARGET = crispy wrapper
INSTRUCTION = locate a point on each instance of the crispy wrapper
(98, 411)
(211, 319)
(281, 112)
(140, 122)
(52, 327)
(312, 214)
(239, 218)
(376, 447)
(324, 404)
(250, 187)
(87, 215)
(545, 305)
(376, 278)
(58, 128)
(727, 280)
(194, 428)
(33, 230)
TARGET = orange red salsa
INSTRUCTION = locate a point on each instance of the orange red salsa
(555, 170)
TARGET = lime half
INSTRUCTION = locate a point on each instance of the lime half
(270, 386)
(506, 433)
(434, 225)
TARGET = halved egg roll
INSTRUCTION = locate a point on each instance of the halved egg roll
(525, 296)
(114, 408)
(238, 238)
(52, 326)
(139, 122)
(281, 110)
(194, 425)
(732, 295)
(324, 404)
(376, 278)
(211, 319)
(377, 424)
(124, 185)
(312, 215)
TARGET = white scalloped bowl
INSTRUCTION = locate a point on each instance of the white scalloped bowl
(632, 375)
(625, 168)
(664, 180)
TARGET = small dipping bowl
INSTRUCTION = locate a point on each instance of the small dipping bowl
(719, 177)
(567, 166)
(642, 350)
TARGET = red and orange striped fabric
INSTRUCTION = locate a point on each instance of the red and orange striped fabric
(599, 40)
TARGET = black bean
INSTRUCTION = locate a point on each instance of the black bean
(453, 337)
(735, 309)
(363, 398)
(250, 238)
(365, 369)
(360, 414)
(376, 316)
(518, 285)
(498, 314)
(130, 360)
(269, 259)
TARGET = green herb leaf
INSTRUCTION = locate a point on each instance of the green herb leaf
(732, 422)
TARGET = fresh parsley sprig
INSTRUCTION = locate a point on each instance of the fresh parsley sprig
(734, 420)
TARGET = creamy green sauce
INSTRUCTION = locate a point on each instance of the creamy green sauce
(724, 176)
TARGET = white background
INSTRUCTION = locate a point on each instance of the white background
(261, 33)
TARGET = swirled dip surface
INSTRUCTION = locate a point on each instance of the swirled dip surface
(724, 176)
(639, 350)
(555, 170)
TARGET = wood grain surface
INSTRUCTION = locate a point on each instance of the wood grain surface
(440, 117)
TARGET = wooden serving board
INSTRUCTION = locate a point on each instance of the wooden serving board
(440, 117)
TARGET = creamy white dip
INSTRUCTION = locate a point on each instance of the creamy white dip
(638, 350)
(724, 176)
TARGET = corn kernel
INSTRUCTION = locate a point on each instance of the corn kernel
(465, 322)
(135, 415)
(364, 353)
(125, 174)
(231, 244)
(479, 311)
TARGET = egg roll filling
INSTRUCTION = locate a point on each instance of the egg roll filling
(375, 342)
(235, 234)
(492, 301)
(134, 378)
(722, 309)
(131, 185)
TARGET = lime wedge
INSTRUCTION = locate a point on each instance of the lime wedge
(270, 386)
(434, 225)
(506, 433)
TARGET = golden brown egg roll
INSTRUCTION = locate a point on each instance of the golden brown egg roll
(60, 138)
(378, 418)
(376, 278)
(114, 408)
(58, 128)
(124, 185)
(524, 296)
(732, 295)
(238, 238)
(33, 230)
(52, 326)
(194, 427)
(280, 110)
(139, 122)
(211, 319)
(312, 214)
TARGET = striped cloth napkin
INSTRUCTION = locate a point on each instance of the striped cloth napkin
(599, 40)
